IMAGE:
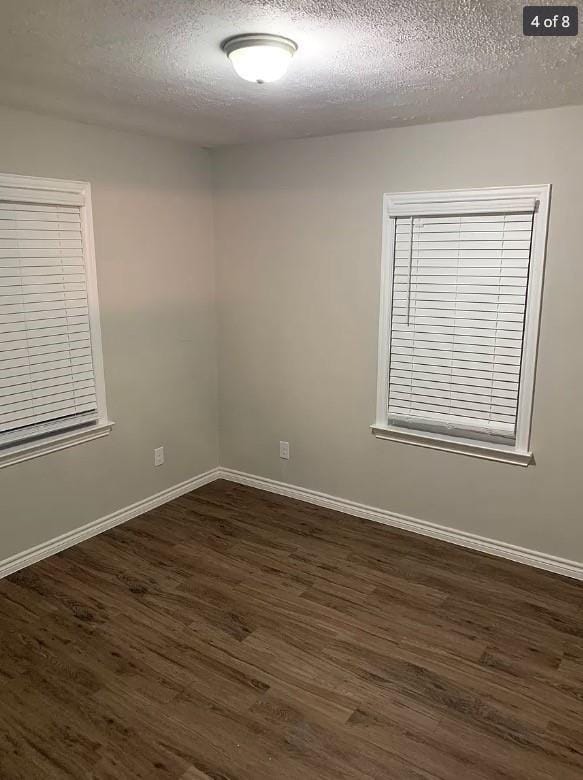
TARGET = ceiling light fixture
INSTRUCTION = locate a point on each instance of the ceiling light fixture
(259, 58)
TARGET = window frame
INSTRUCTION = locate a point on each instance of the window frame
(443, 202)
(39, 190)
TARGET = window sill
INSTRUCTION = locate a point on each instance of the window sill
(474, 449)
(34, 449)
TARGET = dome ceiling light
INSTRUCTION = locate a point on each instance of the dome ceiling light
(258, 57)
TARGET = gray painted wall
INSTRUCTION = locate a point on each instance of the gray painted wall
(152, 211)
(298, 240)
(297, 227)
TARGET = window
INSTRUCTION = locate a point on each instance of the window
(461, 293)
(51, 375)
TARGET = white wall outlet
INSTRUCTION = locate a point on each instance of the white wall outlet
(284, 450)
(158, 456)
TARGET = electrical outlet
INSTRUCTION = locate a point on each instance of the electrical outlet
(158, 456)
(284, 450)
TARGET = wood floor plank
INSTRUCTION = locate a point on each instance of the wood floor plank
(234, 634)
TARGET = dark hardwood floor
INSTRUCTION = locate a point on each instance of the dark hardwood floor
(233, 634)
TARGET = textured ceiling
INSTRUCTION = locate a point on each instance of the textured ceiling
(156, 65)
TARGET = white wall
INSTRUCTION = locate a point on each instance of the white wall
(152, 211)
(298, 234)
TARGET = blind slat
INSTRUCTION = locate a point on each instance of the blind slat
(471, 391)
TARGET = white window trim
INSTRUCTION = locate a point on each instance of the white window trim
(466, 201)
(31, 189)
(54, 443)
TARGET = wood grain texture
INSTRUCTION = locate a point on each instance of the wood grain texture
(238, 635)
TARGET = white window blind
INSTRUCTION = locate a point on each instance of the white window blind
(459, 300)
(47, 375)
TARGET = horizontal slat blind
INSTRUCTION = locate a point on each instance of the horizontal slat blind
(46, 366)
(459, 299)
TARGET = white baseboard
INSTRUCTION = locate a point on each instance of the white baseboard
(59, 543)
(539, 560)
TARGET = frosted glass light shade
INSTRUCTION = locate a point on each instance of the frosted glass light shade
(260, 58)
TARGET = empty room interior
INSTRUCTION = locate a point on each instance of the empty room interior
(290, 355)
